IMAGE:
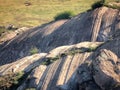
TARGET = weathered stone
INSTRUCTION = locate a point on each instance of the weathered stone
(97, 25)
(77, 67)
(60, 74)
(25, 64)
(106, 71)
(34, 78)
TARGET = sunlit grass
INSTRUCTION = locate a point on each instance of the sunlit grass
(41, 11)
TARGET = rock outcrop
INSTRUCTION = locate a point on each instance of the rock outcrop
(25, 64)
(97, 25)
(59, 74)
(76, 70)
(100, 72)
(76, 64)
(106, 70)
(10, 35)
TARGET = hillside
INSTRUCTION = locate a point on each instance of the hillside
(81, 53)
(32, 13)
(82, 66)
(97, 25)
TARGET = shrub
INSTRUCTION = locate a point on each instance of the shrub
(64, 15)
(98, 4)
(34, 50)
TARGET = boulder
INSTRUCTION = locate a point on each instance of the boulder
(106, 70)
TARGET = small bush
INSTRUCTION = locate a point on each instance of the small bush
(34, 50)
(98, 4)
(64, 15)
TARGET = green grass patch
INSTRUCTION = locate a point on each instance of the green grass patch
(39, 12)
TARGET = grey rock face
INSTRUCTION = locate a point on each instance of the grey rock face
(59, 75)
(82, 66)
(25, 64)
(78, 71)
(106, 70)
(97, 25)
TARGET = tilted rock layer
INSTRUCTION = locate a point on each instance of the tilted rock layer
(96, 25)
(76, 64)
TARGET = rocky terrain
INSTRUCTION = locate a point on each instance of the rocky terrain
(77, 54)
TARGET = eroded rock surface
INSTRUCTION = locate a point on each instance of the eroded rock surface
(25, 64)
(106, 70)
(84, 70)
(83, 66)
(58, 75)
(97, 25)
(99, 73)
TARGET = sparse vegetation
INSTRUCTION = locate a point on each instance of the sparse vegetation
(8, 80)
(107, 3)
(39, 11)
(34, 50)
(98, 4)
(64, 15)
(72, 51)
(50, 60)
(91, 49)
(80, 50)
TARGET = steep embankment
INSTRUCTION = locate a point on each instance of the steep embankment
(97, 25)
